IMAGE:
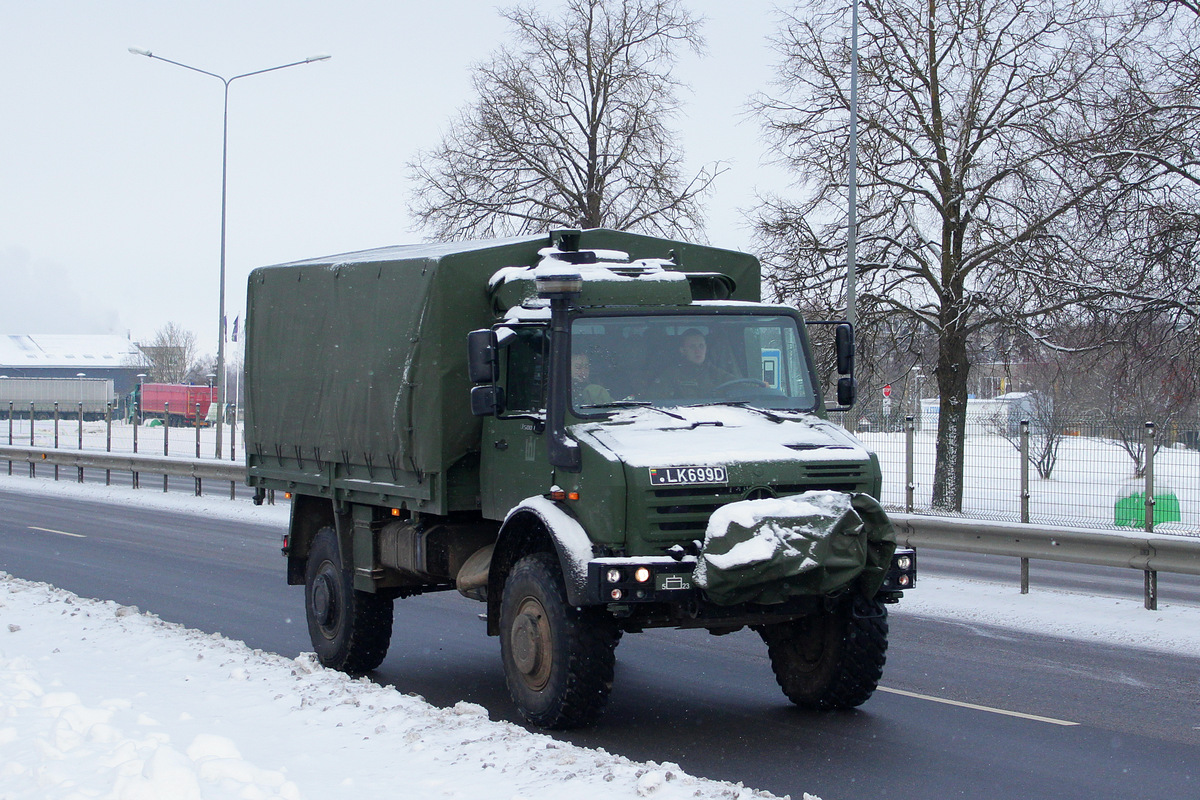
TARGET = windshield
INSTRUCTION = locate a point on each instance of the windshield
(694, 359)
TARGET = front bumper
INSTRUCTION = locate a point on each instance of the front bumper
(641, 580)
(662, 579)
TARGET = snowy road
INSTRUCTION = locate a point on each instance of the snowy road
(708, 703)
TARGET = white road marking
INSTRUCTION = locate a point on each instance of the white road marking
(60, 533)
(974, 707)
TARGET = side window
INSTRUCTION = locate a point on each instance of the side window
(525, 363)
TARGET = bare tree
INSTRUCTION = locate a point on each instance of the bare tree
(201, 369)
(1157, 124)
(569, 129)
(1059, 390)
(1147, 372)
(170, 354)
(985, 129)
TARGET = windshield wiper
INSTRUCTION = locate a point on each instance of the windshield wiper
(746, 405)
(633, 404)
(617, 404)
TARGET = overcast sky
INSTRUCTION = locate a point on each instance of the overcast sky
(110, 169)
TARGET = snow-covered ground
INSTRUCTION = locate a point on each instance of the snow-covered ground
(1091, 476)
(118, 437)
(173, 712)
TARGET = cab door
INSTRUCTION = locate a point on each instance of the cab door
(513, 458)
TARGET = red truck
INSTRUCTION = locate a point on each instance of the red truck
(177, 402)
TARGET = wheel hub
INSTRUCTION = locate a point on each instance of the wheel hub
(531, 644)
(322, 600)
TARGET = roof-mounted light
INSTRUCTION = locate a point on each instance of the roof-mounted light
(557, 280)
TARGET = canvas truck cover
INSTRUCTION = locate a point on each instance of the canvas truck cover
(360, 359)
(765, 551)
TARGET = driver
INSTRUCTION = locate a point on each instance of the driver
(583, 391)
(693, 375)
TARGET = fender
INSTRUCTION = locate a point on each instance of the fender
(570, 540)
(538, 524)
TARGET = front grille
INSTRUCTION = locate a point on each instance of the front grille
(683, 512)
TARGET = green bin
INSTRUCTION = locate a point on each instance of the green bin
(1130, 511)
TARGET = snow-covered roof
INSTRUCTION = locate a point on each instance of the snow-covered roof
(402, 252)
(66, 350)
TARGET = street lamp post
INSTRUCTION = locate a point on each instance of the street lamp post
(211, 377)
(137, 406)
(852, 199)
(224, 184)
(917, 400)
(81, 376)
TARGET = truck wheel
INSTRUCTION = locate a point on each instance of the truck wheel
(832, 660)
(558, 659)
(350, 630)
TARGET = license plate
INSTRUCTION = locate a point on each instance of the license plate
(676, 476)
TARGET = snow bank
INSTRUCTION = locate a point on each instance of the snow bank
(99, 700)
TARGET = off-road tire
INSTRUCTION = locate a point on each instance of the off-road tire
(558, 659)
(832, 660)
(350, 630)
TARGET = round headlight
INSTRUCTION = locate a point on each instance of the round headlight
(613, 576)
(641, 575)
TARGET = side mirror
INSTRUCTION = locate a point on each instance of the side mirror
(847, 392)
(487, 401)
(845, 351)
(481, 357)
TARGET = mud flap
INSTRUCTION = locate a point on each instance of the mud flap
(765, 551)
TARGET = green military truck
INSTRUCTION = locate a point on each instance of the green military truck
(592, 433)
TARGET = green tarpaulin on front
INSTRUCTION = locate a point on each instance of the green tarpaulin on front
(770, 557)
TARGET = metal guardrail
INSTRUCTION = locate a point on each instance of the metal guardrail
(1148, 552)
(1135, 549)
(198, 469)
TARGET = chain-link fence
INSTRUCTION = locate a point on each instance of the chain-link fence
(1073, 472)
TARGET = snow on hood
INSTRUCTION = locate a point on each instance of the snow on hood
(716, 435)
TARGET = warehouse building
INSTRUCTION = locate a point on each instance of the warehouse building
(109, 357)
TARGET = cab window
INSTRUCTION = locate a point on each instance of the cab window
(525, 360)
